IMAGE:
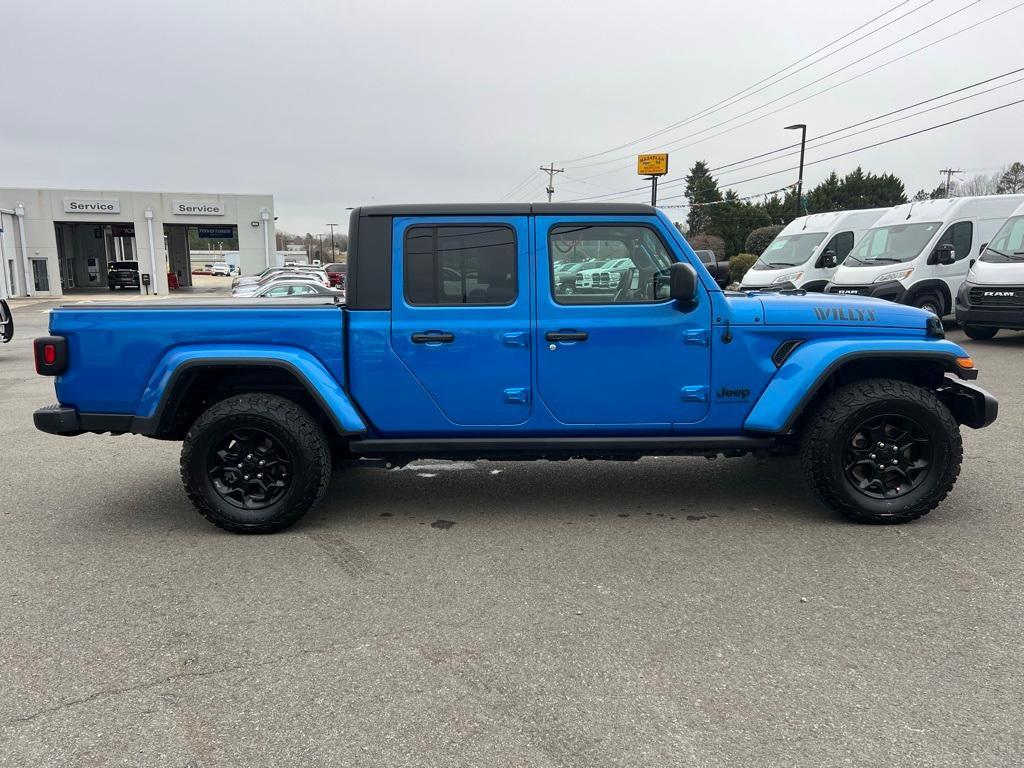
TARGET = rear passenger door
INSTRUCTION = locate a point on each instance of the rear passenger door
(460, 317)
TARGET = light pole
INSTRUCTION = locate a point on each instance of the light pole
(332, 226)
(800, 178)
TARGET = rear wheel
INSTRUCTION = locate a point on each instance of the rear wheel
(882, 451)
(979, 332)
(255, 463)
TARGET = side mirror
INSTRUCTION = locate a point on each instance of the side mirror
(945, 254)
(683, 284)
(828, 259)
(983, 247)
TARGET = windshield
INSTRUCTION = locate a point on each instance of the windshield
(789, 250)
(891, 245)
(1008, 244)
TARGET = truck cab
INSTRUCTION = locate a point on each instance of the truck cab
(806, 253)
(456, 339)
(919, 253)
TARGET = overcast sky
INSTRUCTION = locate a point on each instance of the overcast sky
(334, 104)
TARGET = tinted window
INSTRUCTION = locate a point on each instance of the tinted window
(607, 264)
(842, 244)
(959, 236)
(460, 265)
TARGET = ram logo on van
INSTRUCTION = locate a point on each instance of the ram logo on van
(999, 293)
(845, 314)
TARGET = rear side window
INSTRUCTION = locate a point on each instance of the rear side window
(451, 265)
(959, 236)
(608, 264)
(842, 244)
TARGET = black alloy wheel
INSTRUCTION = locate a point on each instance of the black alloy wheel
(249, 469)
(887, 456)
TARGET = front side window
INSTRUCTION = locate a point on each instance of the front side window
(1008, 244)
(959, 236)
(607, 264)
(891, 245)
(451, 265)
(789, 250)
(841, 244)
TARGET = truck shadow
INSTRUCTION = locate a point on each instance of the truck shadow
(684, 489)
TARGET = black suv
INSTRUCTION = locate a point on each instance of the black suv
(123, 274)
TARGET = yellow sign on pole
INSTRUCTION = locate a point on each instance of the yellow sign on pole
(652, 165)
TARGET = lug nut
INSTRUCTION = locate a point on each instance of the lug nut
(872, 456)
(245, 477)
(260, 474)
(262, 463)
(880, 445)
(894, 461)
(880, 466)
(240, 466)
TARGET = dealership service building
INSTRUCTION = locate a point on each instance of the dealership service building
(57, 241)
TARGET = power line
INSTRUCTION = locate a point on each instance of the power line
(696, 115)
(676, 143)
(877, 144)
(786, 188)
(518, 186)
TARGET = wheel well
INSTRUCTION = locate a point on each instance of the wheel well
(198, 388)
(937, 287)
(927, 373)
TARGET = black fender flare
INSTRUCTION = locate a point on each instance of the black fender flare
(931, 286)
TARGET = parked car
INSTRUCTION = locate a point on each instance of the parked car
(806, 253)
(719, 268)
(252, 288)
(992, 296)
(222, 269)
(284, 288)
(6, 322)
(919, 253)
(264, 396)
(123, 274)
(336, 274)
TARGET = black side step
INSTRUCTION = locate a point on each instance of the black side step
(561, 447)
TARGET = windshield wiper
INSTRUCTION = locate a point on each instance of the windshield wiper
(771, 264)
(886, 260)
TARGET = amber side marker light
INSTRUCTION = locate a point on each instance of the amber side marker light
(966, 363)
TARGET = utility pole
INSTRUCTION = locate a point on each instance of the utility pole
(949, 176)
(551, 171)
(332, 226)
(321, 251)
(800, 179)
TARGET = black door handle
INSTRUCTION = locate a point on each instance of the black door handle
(433, 337)
(566, 336)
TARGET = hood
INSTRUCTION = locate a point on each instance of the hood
(996, 273)
(824, 309)
(767, 277)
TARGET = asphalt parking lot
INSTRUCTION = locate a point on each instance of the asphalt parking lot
(670, 612)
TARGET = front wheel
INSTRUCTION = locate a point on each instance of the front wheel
(980, 333)
(882, 451)
(930, 302)
(255, 463)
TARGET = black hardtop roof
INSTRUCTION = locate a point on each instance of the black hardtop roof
(507, 209)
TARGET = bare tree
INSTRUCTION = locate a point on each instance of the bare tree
(977, 186)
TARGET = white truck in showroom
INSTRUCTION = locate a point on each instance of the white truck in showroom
(992, 296)
(919, 253)
(806, 253)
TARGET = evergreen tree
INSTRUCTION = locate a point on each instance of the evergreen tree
(701, 187)
(1012, 180)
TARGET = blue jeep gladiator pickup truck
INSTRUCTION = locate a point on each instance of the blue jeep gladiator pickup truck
(453, 343)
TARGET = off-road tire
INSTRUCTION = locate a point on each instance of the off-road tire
(980, 332)
(287, 423)
(833, 423)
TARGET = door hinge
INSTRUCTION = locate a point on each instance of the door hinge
(696, 394)
(699, 337)
(517, 395)
(516, 339)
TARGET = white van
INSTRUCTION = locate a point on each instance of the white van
(919, 253)
(992, 296)
(805, 253)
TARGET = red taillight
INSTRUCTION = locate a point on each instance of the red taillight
(51, 355)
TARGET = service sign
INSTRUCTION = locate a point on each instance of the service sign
(80, 205)
(196, 208)
(652, 165)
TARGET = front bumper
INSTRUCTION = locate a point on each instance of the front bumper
(1004, 317)
(62, 420)
(890, 291)
(970, 404)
